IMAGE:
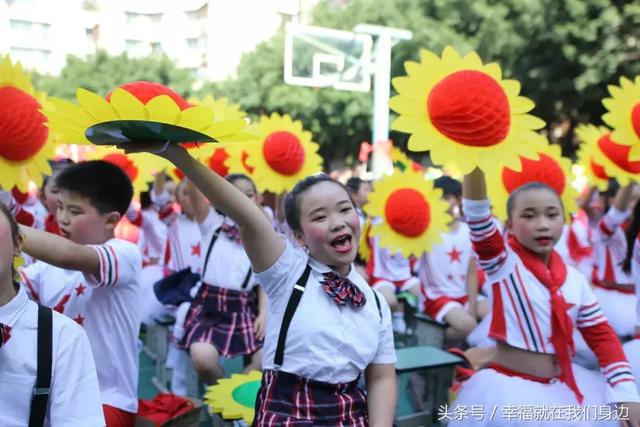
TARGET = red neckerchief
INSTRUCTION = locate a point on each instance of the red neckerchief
(5, 334)
(51, 225)
(552, 277)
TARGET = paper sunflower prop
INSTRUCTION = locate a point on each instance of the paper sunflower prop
(612, 156)
(402, 162)
(235, 398)
(624, 114)
(551, 169)
(412, 211)
(139, 167)
(25, 144)
(464, 112)
(589, 155)
(364, 248)
(136, 111)
(284, 155)
(237, 160)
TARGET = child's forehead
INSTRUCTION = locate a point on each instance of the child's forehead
(323, 193)
(73, 197)
(541, 198)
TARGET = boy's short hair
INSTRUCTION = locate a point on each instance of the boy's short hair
(354, 183)
(104, 184)
(449, 186)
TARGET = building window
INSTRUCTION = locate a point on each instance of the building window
(18, 24)
(156, 48)
(193, 43)
(132, 44)
(143, 18)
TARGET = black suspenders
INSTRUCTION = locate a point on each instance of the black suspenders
(42, 388)
(292, 305)
(216, 233)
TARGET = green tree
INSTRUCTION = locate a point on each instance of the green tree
(563, 52)
(102, 72)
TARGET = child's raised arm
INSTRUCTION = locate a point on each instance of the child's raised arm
(623, 197)
(474, 186)
(261, 243)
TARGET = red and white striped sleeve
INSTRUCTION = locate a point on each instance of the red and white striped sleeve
(488, 242)
(611, 221)
(120, 264)
(599, 335)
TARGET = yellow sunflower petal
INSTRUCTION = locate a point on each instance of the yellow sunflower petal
(96, 106)
(128, 106)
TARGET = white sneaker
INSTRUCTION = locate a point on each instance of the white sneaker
(398, 324)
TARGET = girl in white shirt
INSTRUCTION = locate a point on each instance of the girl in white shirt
(74, 396)
(341, 328)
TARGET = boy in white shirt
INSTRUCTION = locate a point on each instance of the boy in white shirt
(93, 197)
(73, 397)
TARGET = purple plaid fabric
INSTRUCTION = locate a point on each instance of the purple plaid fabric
(223, 318)
(231, 231)
(342, 290)
(5, 334)
(286, 399)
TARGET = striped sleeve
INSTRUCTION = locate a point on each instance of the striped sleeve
(487, 240)
(611, 221)
(621, 385)
(30, 278)
(120, 264)
(589, 315)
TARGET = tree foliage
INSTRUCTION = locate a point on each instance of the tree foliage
(102, 72)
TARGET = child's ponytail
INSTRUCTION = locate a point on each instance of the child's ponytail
(631, 234)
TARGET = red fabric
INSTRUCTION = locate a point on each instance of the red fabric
(553, 277)
(511, 373)
(498, 328)
(577, 252)
(163, 407)
(115, 417)
(433, 306)
(25, 218)
(489, 247)
(51, 225)
(342, 290)
(604, 343)
(5, 334)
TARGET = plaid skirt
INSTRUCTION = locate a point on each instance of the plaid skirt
(223, 318)
(286, 399)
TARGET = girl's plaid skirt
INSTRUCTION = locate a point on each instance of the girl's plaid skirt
(223, 318)
(286, 399)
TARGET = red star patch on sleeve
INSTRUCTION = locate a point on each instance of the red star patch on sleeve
(195, 249)
(79, 319)
(80, 289)
(454, 255)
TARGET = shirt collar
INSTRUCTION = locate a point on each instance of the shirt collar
(323, 268)
(10, 310)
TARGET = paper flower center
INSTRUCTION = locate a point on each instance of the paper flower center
(471, 108)
(244, 158)
(283, 152)
(545, 170)
(124, 163)
(598, 170)
(618, 154)
(635, 119)
(216, 162)
(22, 126)
(407, 212)
(146, 91)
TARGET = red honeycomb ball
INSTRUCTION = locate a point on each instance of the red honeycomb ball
(635, 119)
(22, 126)
(407, 212)
(471, 108)
(618, 154)
(598, 170)
(545, 170)
(283, 152)
(146, 91)
(124, 163)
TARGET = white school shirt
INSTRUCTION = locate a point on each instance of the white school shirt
(153, 236)
(384, 265)
(325, 342)
(185, 245)
(228, 263)
(75, 397)
(65, 291)
(635, 273)
(610, 248)
(521, 308)
(443, 271)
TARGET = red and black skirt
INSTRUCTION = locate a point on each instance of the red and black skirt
(223, 318)
(287, 399)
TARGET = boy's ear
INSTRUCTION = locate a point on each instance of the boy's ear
(299, 237)
(113, 218)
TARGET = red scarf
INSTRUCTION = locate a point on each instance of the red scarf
(553, 277)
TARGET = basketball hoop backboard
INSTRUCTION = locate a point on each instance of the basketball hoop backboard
(323, 57)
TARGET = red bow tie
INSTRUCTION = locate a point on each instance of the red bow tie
(231, 231)
(5, 334)
(342, 290)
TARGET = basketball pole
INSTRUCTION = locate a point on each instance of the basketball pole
(386, 38)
